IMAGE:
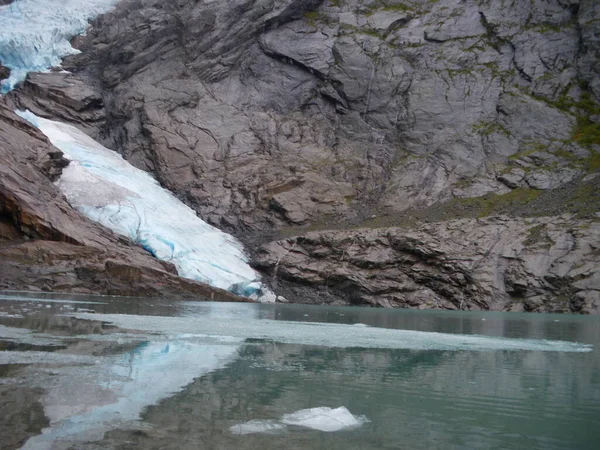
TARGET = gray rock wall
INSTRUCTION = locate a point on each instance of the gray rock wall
(267, 113)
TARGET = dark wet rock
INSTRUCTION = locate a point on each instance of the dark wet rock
(4, 72)
(47, 245)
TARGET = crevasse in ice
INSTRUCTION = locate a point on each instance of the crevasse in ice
(35, 34)
(107, 189)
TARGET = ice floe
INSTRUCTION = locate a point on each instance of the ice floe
(330, 334)
(321, 419)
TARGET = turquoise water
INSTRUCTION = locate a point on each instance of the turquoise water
(192, 375)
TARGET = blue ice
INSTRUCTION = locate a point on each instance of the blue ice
(35, 34)
(107, 189)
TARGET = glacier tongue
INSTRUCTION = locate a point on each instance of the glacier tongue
(35, 34)
(107, 189)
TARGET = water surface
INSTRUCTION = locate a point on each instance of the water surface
(128, 373)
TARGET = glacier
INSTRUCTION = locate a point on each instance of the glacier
(35, 34)
(107, 189)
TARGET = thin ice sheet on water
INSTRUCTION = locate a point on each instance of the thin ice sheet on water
(258, 426)
(35, 34)
(330, 334)
(33, 357)
(107, 189)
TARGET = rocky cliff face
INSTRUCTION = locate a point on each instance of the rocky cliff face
(267, 114)
(543, 265)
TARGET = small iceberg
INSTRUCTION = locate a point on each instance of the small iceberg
(322, 419)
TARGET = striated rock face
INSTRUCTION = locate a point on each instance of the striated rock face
(269, 114)
(47, 245)
(542, 265)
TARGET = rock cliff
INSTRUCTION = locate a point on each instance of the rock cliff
(296, 115)
(547, 264)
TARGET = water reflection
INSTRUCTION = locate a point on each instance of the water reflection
(114, 393)
(414, 400)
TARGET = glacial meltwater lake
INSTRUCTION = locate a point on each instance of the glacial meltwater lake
(118, 373)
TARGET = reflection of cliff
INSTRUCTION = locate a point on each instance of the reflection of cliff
(418, 399)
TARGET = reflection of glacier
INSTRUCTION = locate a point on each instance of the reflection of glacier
(150, 373)
(34, 34)
(107, 189)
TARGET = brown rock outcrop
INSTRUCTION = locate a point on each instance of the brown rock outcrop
(47, 245)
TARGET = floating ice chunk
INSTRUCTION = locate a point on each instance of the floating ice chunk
(35, 34)
(324, 419)
(258, 426)
(107, 189)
